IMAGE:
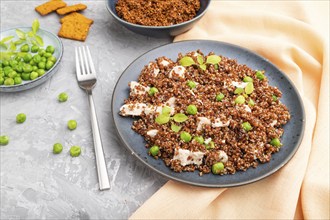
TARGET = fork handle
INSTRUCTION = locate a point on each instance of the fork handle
(99, 154)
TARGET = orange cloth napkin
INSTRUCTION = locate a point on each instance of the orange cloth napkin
(295, 37)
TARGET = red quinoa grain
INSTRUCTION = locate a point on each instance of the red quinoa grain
(236, 148)
(157, 12)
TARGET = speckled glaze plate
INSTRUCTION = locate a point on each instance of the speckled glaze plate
(293, 130)
(49, 39)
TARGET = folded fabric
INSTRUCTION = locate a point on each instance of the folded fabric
(295, 37)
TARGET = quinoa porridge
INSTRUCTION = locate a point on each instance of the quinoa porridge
(157, 12)
(206, 113)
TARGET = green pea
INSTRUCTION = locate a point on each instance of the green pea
(7, 70)
(247, 79)
(34, 68)
(9, 82)
(34, 49)
(49, 65)
(53, 59)
(75, 151)
(27, 57)
(42, 65)
(154, 150)
(17, 80)
(240, 99)
(274, 97)
(32, 63)
(4, 140)
(152, 90)
(13, 63)
(57, 148)
(27, 68)
(62, 97)
(25, 48)
(47, 55)
(276, 142)
(199, 139)
(5, 63)
(40, 72)
(25, 76)
(217, 168)
(33, 75)
(2, 80)
(41, 52)
(12, 74)
(219, 97)
(260, 75)
(192, 109)
(18, 58)
(37, 58)
(246, 126)
(191, 84)
(50, 49)
(185, 136)
(43, 59)
(19, 68)
(20, 118)
(72, 124)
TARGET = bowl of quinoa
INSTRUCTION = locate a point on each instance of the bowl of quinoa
(208, 113)
(157, 18)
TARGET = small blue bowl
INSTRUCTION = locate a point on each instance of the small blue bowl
(49, 39)
(159, 31)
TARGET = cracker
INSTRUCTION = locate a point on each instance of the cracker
(74, 16)
(71, 8)
(74, 30)
(49, 7)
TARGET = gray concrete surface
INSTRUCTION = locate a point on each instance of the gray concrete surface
(35, 183)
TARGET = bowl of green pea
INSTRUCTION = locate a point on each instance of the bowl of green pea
(29, 56)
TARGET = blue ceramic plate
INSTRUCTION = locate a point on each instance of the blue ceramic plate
(293, 130)
(49, 39)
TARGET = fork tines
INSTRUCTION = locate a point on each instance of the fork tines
(84, 63)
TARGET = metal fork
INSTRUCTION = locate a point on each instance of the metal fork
(86, 77)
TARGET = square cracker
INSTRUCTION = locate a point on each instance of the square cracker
(71, 8)
(74, 16)
(49, 7)
(74, 30)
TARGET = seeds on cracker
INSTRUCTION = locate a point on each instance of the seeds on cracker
(71, 8)
(74, 30)
(74, 16)
(49, 7)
